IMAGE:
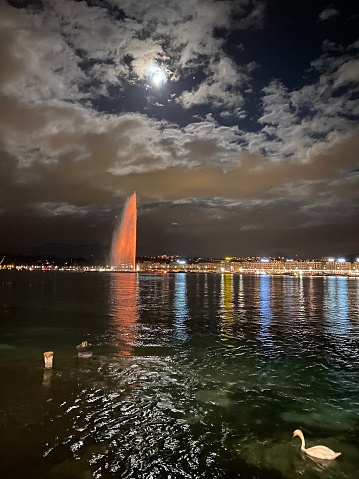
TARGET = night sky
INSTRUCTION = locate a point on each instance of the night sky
(236, 122)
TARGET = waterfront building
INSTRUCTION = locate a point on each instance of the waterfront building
(273, 266)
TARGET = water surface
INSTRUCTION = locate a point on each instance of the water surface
(193, 375)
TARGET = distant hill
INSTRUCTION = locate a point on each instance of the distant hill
(94, 251)
(63, 250)
(351, 257)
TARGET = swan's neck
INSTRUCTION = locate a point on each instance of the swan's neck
(303, 443)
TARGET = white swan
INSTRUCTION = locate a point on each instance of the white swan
(320, 452)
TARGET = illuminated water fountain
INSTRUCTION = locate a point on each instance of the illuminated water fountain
(123, 248)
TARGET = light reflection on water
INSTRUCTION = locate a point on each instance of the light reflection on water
(336, 307)
(124, 312)
(265, 310)
(180, 306)
(226, 305)
(193, 375)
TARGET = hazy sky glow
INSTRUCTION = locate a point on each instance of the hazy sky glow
(236, 122)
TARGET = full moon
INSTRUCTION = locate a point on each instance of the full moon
(157, 76)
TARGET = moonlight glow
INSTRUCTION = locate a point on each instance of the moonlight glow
(157, 75)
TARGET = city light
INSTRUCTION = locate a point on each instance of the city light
(173, 263)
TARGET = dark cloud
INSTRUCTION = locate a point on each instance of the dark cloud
(328, 13)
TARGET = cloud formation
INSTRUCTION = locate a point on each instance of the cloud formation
(220, 149)
(328, 13)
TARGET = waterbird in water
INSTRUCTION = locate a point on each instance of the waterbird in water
(319, 452)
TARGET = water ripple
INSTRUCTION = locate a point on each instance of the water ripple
(193, 376)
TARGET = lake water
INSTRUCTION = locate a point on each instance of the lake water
(193, 375)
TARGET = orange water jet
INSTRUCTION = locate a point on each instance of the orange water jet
(123, 249)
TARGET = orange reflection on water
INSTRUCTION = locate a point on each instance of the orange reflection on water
(124, 311)
(227, 306)
(123, 250)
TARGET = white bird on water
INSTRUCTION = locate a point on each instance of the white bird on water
(320, 452)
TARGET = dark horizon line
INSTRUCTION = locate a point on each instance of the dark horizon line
(166, 256)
